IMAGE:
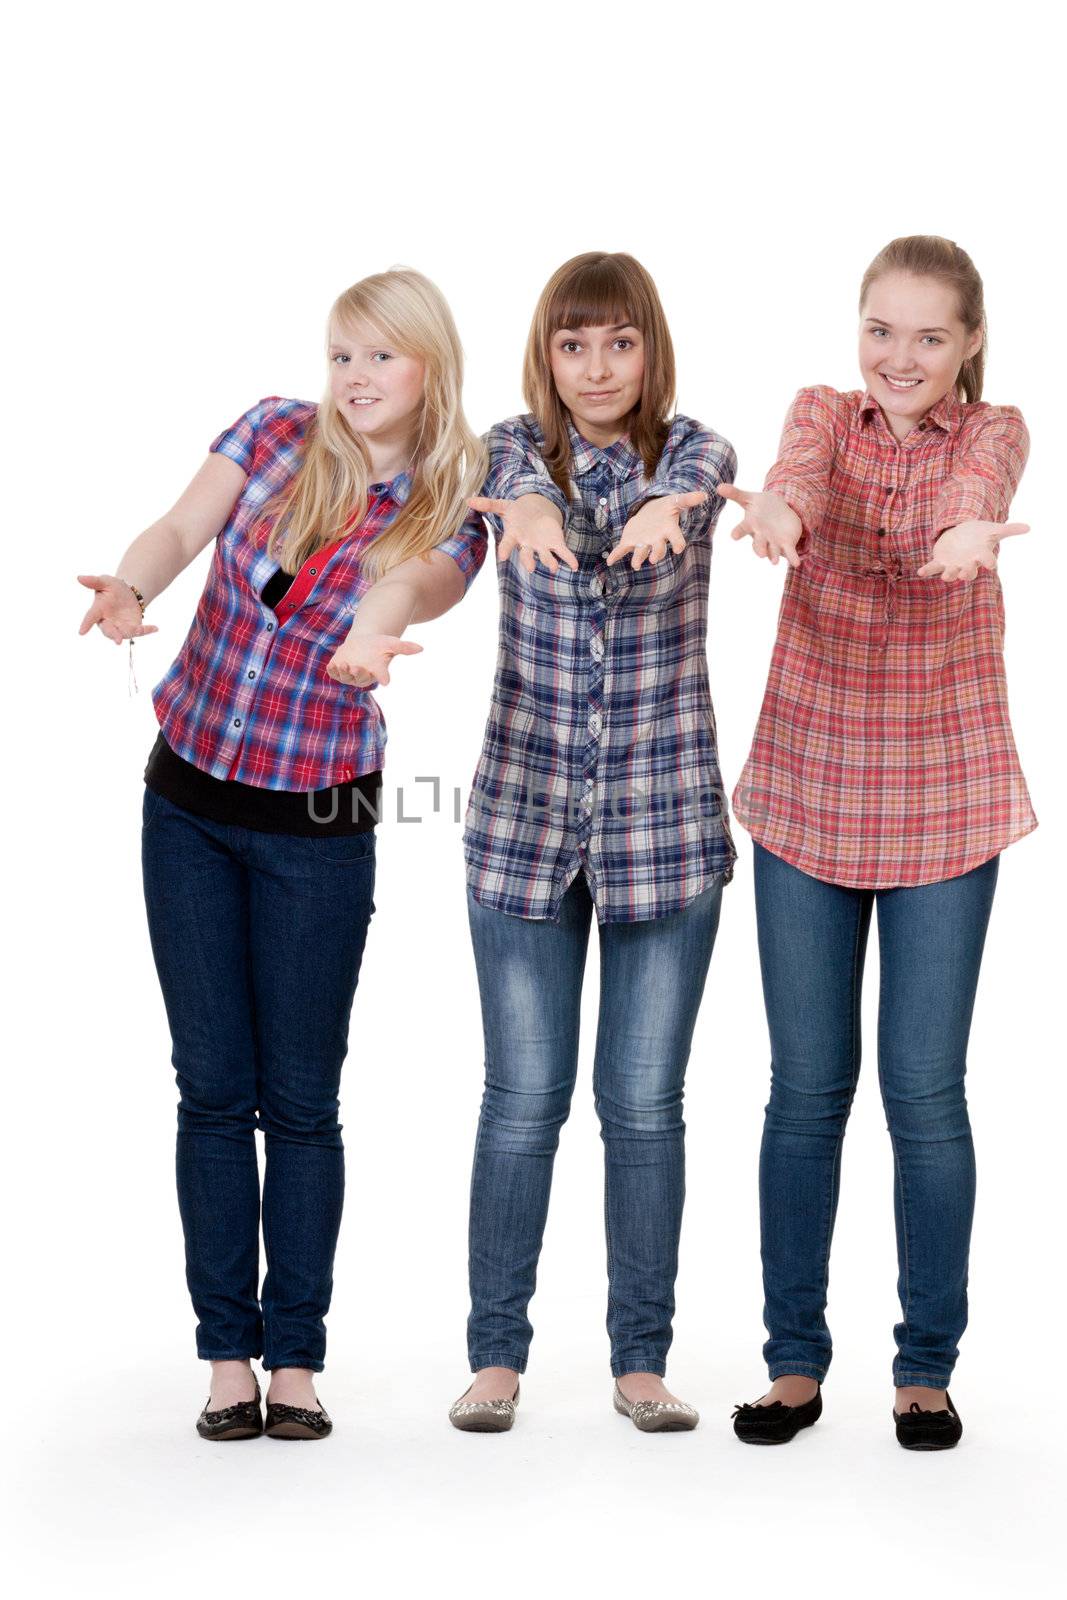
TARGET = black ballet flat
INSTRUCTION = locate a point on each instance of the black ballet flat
(242, 1421)
(777, 1423)
(293, 1422)
(928, 1430)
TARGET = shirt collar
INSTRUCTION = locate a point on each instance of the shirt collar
(397, 488)
(621, 456)
(946, 415)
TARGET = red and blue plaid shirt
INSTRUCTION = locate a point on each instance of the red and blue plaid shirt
(600, 750)
(248, 697)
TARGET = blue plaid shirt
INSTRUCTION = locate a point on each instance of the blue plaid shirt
(600, 749)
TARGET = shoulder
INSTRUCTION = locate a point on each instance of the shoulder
(515, 431)
(522, 432)
(276, 412)
(980, 415)
(686, 433)
(822, 399)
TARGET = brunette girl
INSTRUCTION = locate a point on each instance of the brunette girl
(883, 774)
(597, 791)
(335, 526)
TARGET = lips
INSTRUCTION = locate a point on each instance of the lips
(901, 385)
(363, 400)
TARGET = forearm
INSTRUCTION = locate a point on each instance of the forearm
(415, 591)
(154, 559)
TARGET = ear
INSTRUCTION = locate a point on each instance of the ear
(973, 345)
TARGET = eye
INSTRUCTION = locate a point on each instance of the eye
(569, 346)
(877, 331)
(625, 344)
(383, 354)
(932, 338)
(340, 358)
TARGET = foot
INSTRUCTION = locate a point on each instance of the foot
(636, 1386)
(232, 1382)
(925, 1399)
(492, 1383)
(791, 1390)
(293, 1386)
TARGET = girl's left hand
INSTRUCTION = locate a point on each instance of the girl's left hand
(960, 551)
(365, 658)
(650, 530)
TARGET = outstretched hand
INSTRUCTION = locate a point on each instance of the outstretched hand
(533, 526)
(961, 550)
(770, 521)
(657, 525)
(365, 658)
(114, 609)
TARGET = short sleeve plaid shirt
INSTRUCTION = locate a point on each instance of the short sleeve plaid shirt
(248, 697)
(884, 755)
(600, 748)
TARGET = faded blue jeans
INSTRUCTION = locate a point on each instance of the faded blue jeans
(258, 939)
(530, 977)
(812, 941)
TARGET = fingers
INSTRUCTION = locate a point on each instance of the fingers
(742, 531)
(92, 580)
(730, 491)
(931, 570)
(692, 497)
(406, 647)
(1010, 529)
(488, 507)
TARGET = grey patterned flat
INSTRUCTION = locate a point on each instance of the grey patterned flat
(483, 1416)
(656, 1416)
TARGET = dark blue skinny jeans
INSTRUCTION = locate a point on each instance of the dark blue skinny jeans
(257, 939)
(812, 942)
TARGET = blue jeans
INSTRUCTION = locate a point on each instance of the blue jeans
(812, 941)
(257, 939)
(530, 976)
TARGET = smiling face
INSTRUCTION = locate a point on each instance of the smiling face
(377, 390)
(912, 345)
(598, 373)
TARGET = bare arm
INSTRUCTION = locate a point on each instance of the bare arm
(157, 555)
(417, 590)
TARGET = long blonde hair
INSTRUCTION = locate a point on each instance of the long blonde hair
(927, 255)
(593, 290)
(329, 490)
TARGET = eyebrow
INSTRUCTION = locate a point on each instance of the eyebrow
(883, 324)
(617, 328)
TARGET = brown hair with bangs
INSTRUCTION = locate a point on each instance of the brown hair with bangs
(597, 290)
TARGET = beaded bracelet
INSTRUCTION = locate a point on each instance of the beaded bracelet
(141, 601)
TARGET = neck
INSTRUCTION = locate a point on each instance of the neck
(601, 434)
(389, 455)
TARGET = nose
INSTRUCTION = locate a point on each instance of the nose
(598, 366)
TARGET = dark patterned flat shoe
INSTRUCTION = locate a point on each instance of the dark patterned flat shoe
(928, 1430)
(293, 1422)
(483, 1416)
(777, 1423)
(656, 1416)
(242, 1421)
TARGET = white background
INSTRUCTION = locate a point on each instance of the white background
(191, 188)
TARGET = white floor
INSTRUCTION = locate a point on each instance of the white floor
(124, 1499)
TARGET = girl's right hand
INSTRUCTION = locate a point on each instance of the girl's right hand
(774, 526)
(532, 526)
(114, 607)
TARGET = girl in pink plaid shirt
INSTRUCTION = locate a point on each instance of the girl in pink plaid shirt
(883, 773)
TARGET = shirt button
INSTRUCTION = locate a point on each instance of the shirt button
(596, 650)
(881, 533)
(603, 500)
(251, 674)
(270, 627)
(922, 427)
(595, 723)
(314, 571)
(596, 587)
(237, 722)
